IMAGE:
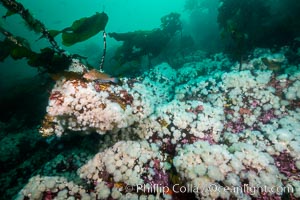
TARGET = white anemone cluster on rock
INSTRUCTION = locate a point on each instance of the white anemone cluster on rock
(224, 128)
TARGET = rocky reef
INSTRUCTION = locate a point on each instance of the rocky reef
(173, 134)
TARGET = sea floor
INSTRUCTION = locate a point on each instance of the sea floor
(209, 129)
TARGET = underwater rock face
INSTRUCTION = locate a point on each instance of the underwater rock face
(129, 162)
(78, 105)
(235, 131)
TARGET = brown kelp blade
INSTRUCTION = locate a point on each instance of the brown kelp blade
(8, 13)
(54, 33)
(16, 47)
(84, 29)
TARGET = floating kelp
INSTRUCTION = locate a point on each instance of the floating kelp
(8, 13)
(139, 43)
(150, 43)
(18, 48)
(14, 7)
(52, 59)
(82, 29)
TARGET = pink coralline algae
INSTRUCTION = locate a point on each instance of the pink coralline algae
(208, 136)
(48, 195)
(126, 97)
(287, 165)
(57, 96)
(266, 196)
(255, 103)
(236, 127)
(196, 110)
(279, 85)
(267, 116)
(160, 178)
